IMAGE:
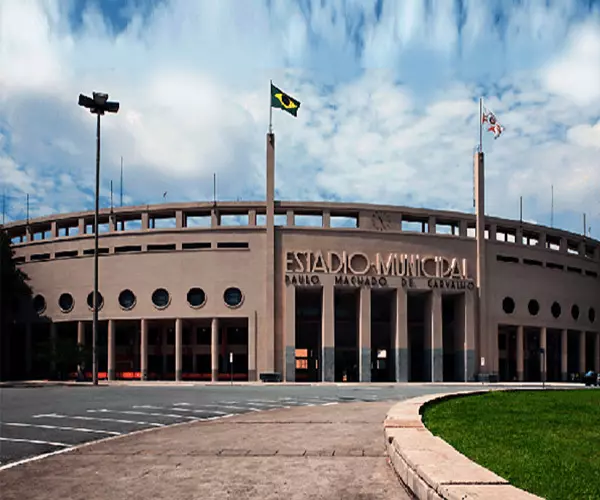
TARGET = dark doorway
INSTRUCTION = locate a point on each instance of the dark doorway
(233, 349)
(452, 341)
(507, 353)
(382, 358)
(346, 335)
(572, 353)
(553, 355)
(532, 357)
(309, 304)
(416, 305)
(590, 351)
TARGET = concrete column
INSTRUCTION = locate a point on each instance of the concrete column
(564, 346)
(364, 335)
(434, 352)
(28, 349)
(542, 240)
(53, 340)
(144, 349)
(290, 220)
(465, 315)
(215, 218)
(326, 218)
(53, 230)
(81, 226)
(328, 333)
(81, 343)
(179, 219)
(400, 346)
(462, 228)
(582, 352)
(214, 349)
(145, 221)
(290, 333)
(431, 224)
(597, 352)
(519, 236)
(544, 360)
(520, 345)
(252, 217)
(492, 232)
(111, 349)
(178, 349)
(252, 348)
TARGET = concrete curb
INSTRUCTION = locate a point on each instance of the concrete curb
(431, 468)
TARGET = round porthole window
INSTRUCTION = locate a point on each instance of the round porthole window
(508, 305)
(90, 300)
(592, 315)
(555, 309)
(233, 297)
(161, 298)
(196, 297)
(39, 304)
(127, 299)
(66, 302)
(533, 307)
(575, 311)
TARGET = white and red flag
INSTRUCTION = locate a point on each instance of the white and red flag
(489, 120)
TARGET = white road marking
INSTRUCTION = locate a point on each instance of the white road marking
(61, 428)
(99, 419)
(231, 407)
(34, 441)
(191, 410)
(150, 414)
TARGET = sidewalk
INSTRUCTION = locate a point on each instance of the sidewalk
(328, 452)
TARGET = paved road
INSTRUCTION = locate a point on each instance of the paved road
(40, 420)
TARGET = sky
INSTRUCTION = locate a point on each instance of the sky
(389, 90)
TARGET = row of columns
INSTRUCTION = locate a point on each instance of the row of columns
(215, 324)
(563, 352)
(433, 334)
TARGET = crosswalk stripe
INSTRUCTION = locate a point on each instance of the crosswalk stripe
(34, 441)
(99, 419)
(190, 410)
(60, 428)
(134, 412)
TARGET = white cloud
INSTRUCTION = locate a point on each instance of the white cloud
(192, 79)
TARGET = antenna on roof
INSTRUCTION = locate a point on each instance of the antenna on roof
(521, 210)
(28, 209)
(584, 227)
(215, 188)
(4, 206)
(121, 181)
(111, 197)
(552, 208)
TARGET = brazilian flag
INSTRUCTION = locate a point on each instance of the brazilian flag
(281, 100)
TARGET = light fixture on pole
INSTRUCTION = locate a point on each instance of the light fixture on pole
(98, 104)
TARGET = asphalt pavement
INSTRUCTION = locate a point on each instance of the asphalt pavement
(37, 421)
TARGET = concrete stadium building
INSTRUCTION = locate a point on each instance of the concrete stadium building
(322, 292)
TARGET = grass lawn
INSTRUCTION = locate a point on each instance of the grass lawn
(545, 442)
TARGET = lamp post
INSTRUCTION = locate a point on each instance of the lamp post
(98, 104)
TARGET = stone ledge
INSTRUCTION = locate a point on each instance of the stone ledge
(430, 467)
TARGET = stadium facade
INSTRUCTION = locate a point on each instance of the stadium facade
(312, 291)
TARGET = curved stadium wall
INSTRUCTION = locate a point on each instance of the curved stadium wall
(362, 293)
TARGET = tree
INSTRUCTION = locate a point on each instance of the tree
(14, 290)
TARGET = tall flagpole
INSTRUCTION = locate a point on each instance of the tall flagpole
(269, 329)
(270, 110)
(121, 181)
(481, 124)
(480, 238)
(552, 208)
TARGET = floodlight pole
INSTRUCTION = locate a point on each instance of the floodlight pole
(98, 105)
(96, 210)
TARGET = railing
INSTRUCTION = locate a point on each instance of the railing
(298, 215)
